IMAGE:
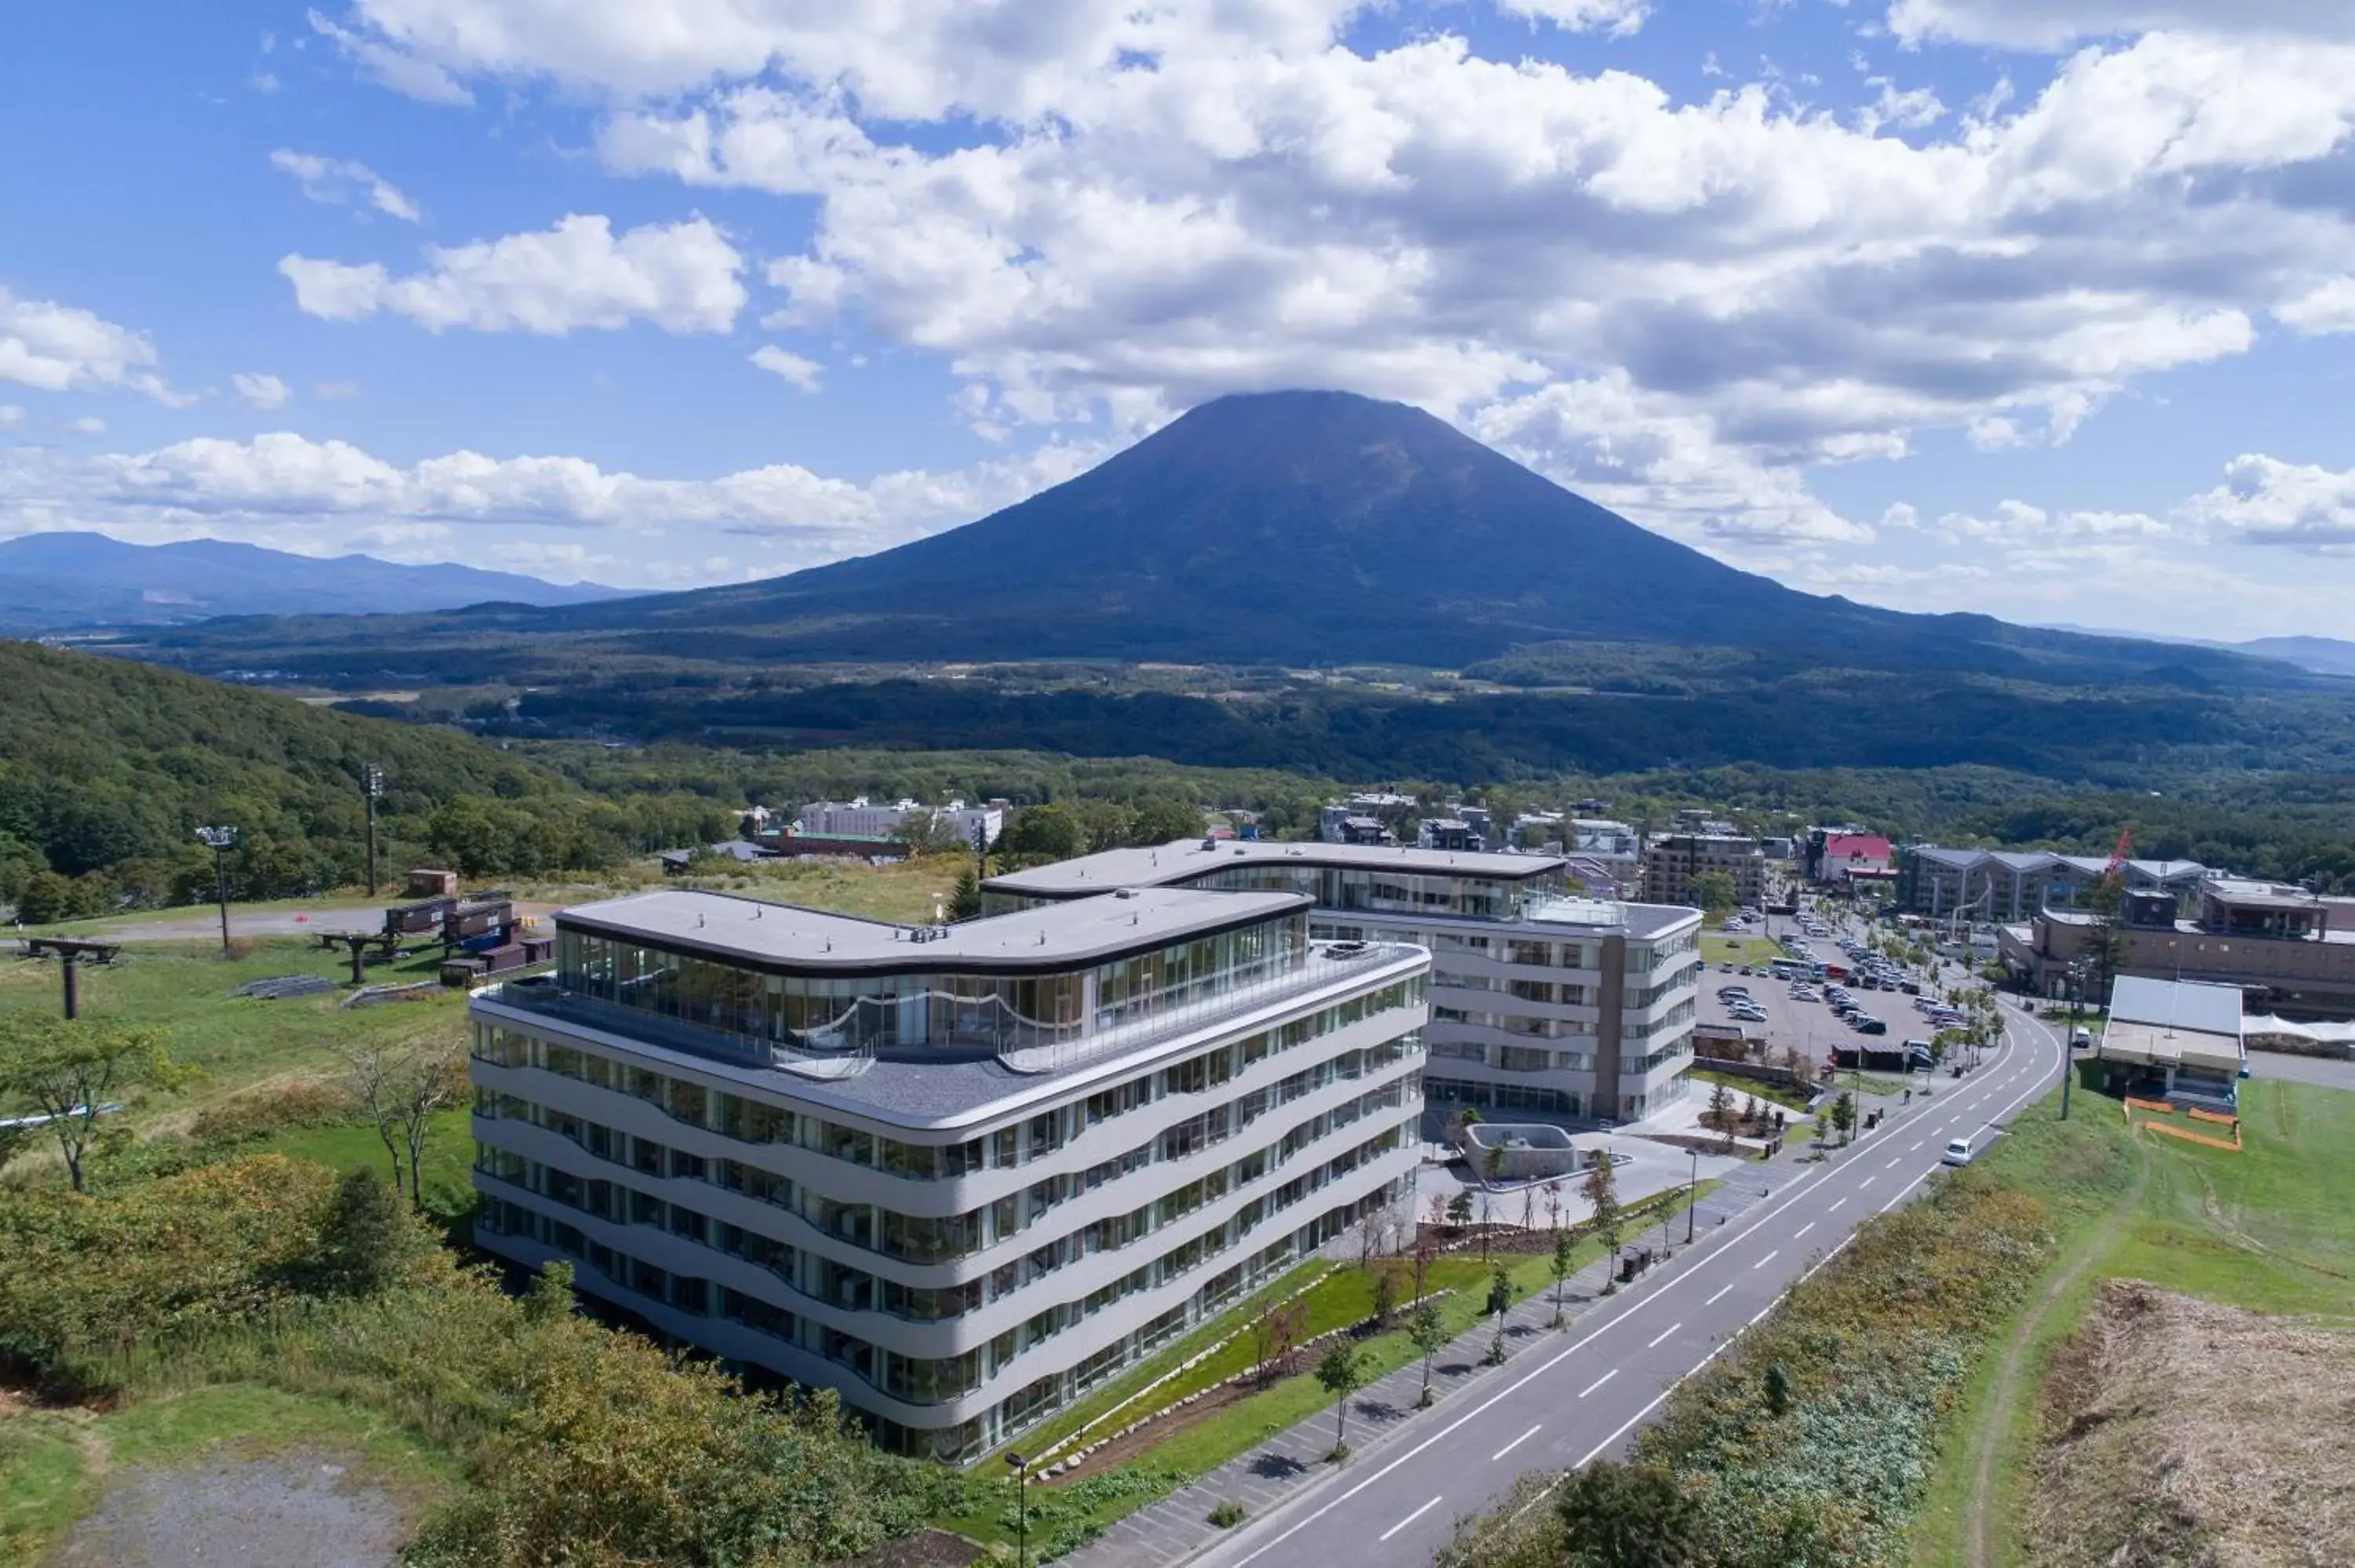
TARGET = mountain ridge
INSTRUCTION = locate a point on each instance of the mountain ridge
(73, 580)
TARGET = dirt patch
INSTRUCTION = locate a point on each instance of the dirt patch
(294, 1510)
(925, 1549)
(2180, 1432)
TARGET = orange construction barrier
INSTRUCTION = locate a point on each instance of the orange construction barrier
(2161, 1107)
(2190, 1136)
(2199, 1115)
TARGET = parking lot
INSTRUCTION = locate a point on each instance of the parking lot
(1809, 1026)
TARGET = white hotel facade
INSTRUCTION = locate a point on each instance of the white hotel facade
(1541, 999)
(960, 1173)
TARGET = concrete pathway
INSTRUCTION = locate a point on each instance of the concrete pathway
(1179, 1525)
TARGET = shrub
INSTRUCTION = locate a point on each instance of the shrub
(257, 1113)
(1228, 1514)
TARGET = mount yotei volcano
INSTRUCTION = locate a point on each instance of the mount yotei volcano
(1284, 528)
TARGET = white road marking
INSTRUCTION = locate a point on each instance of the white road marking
(1721, 1290)
(1517, 1442)
(1909, 1150)
(1663, 1334)
(1835, 1203)
(1410, 1518)
(1894, 1163)
(1803, 1230)
(1598, 1382)
(1764, 1261)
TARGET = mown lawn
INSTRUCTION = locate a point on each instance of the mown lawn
(236, 1041)
(2271, 1230)
(1719, 950)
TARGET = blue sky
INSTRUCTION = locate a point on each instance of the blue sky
(2037, 307)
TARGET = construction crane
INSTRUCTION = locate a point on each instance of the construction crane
(2118, 855)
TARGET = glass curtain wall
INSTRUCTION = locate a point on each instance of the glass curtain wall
(946, 1012)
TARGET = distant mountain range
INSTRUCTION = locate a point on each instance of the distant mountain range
(63, 582)
(1291, 528)
(2321, 655)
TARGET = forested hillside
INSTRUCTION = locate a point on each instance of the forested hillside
(108, 768)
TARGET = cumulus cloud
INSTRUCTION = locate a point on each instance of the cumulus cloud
(262, 391)
(339, 181)
(400, 69)
(11, 416)
(61, 348)
(87, 425)
(289, 483)
(683, 277)
(1679, 304)
(2053, 24)
(803, 373)
(1616, 17)
(2264, 501)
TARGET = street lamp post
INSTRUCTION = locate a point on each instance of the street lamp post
(2069, 1032)
(1692, 1192)
(371, 792)
(220, 841)
(1021, 1511)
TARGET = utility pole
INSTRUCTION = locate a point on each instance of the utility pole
(371, 792)
(220, 841)
(2069, 1032)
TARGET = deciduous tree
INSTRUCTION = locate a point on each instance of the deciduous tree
(72, 1071)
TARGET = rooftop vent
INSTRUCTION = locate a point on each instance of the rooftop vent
(1124, 893)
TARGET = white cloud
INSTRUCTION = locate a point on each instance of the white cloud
(11, 416)
(284, 484)
(396, 68)
(2054, 25)
(87, 425)
(61, 348)
(1616, 17)
(262, 391)
(2328, 307)
(339, 181)
(683, 277)
(1678, 304)
(2264, 501)
(802, 373)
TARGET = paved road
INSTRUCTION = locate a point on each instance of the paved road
(2329, 1072)
(1555, 1407)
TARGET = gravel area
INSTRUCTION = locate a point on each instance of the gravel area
(292, 1510)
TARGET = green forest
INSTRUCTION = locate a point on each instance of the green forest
(108, 768)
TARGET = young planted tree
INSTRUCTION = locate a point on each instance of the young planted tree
(1601, 1190)
(1564, 1244)
(1389, 1285)
(1429, 1332)
(1459, 1208)
(1844, 1116)
(1341, 1372)
(1553, 1204)
(1291, 1321)
(1721, 1107)
(72, 1072)
(400, 1083)
(1500, 1301)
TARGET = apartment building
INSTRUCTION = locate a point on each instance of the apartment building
(1999, 886)
(960, 1173)
(1540, 1000)
(1672, 860)
(2290, 951)
(863, 819)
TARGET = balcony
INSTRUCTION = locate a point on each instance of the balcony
(1021, 1045)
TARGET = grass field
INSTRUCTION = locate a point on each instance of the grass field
(1739, 950)
(2271, 1229)
(184, 989)
(54, 1464)
(1789, 1098)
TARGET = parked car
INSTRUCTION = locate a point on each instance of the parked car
(1958, 1151)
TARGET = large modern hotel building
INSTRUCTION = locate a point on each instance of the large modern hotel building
(961, 1174)
(1540, 1000)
